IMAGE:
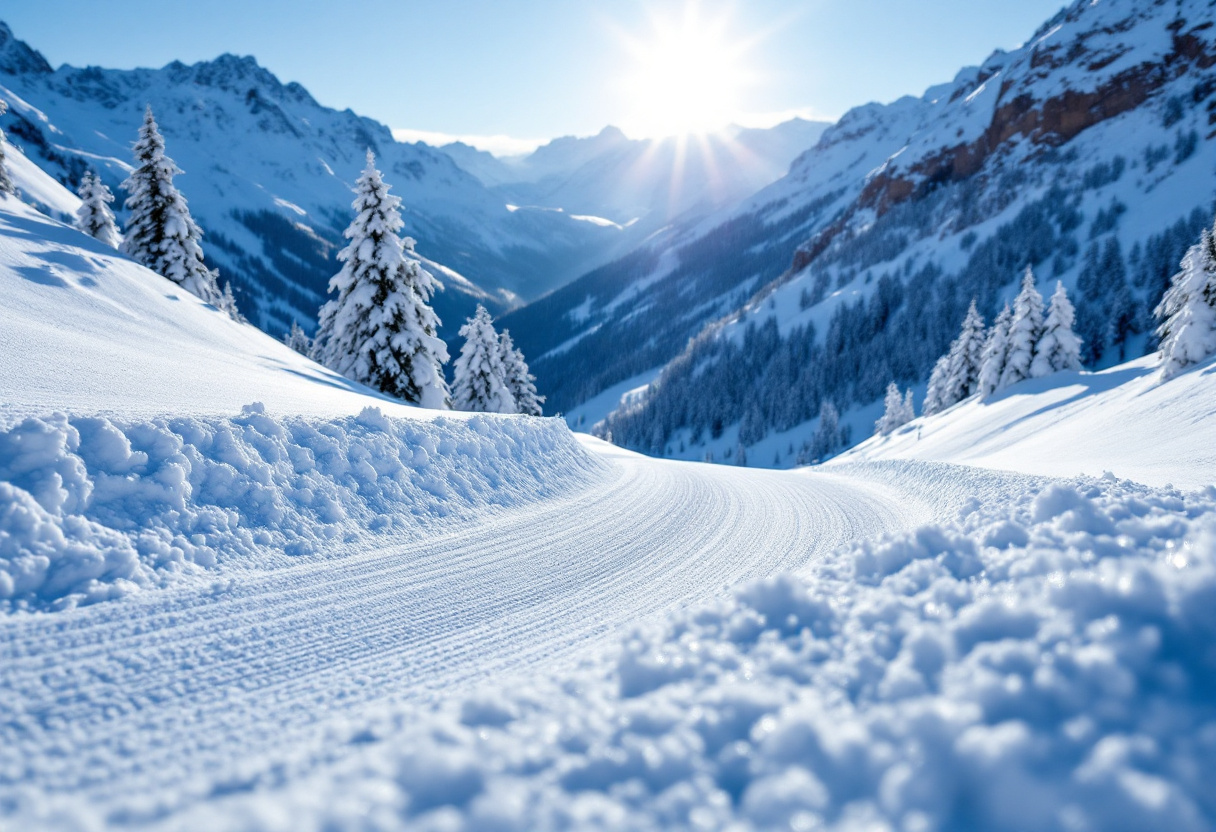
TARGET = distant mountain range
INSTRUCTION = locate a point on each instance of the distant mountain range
(1087, 153)
(268, 172)
(643, 184)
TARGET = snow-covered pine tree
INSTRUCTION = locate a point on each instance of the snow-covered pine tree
(967, 357)
(298, 339)
(893, 415)
(94, 216)
(379, 329)
(1059, 348)
(1025, 330)
(160, 232)
(520, 381)
(480, 379)
(6, 181)
(829, 435)
(996, 350)
(956, 375)
(909, 410)
(939, 384)
(1187, 312)
(227, 303)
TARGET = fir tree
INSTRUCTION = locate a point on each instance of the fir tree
(1059, 348)
(379, 329)
(1187, 312)
(996, 350)
(967, 357)
(1025, 329)
(909, 409)
(480, 379)
(520, 381)
(94, 216)
(893, 415)
(227, 303)
(6, 181)
(298, 339)
(829, 435)
(160, 232)
(939, 384)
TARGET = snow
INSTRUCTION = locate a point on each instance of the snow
(586, 415)
(1039, 663)
(94, 507)
(36, 187)
(1125, 419)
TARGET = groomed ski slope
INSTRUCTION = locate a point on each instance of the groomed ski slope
(186, 693)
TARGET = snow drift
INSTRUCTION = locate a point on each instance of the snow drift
(1045, 665)
(93, 507)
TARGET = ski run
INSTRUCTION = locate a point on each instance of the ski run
(241, 590)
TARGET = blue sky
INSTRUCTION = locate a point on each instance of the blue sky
(535, 69)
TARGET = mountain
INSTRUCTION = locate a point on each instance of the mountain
(268, 173)
(1087, 153)
(643, 184)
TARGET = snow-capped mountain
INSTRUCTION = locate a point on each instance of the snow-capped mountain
(268, 174)
(1086, 153)
(644, 184)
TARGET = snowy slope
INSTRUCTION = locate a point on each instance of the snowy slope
(1124, 420)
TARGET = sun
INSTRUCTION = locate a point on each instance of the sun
(687, 77)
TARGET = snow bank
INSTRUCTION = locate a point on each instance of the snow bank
(1048, 665)
(93, 507)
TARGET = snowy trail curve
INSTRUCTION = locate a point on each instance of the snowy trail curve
(195, 692)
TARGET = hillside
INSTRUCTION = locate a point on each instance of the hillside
(1085, 153)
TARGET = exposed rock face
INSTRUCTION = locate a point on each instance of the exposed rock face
(1084, 67)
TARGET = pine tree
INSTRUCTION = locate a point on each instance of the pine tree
(829, 435)
(967, 356)
(909, 408)
(996, 350)
(94, 216)
(379, 329)
(939, 385)
(227, 303)
(520, 381)
(480, 379)
(893, 415)
(1025, 329)
(160, 232)
(1187, 312)
(6, 181)
(298, 340)
(1059, 348)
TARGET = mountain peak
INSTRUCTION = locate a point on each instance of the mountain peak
(17, 58)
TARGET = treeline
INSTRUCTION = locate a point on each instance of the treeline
(765, 381)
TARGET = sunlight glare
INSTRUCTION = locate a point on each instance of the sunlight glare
(687, 76)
